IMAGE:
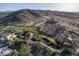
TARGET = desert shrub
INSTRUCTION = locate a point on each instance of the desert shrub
(25, 50)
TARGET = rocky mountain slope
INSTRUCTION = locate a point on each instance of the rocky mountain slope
(55, 32)
(22, 17)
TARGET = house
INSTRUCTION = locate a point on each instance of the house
(5, 51)
(11, 37)
(4, 40)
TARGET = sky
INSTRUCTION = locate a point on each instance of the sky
(69, 7)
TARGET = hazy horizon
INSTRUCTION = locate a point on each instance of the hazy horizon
(68, 7)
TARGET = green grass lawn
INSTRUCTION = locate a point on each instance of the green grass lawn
(20, 29)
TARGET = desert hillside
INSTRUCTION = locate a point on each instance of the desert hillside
(39, 33)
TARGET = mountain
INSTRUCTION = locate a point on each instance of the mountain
(62, 27)
(22, 17)
(35, 16)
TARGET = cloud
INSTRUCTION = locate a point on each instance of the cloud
(71, 7)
